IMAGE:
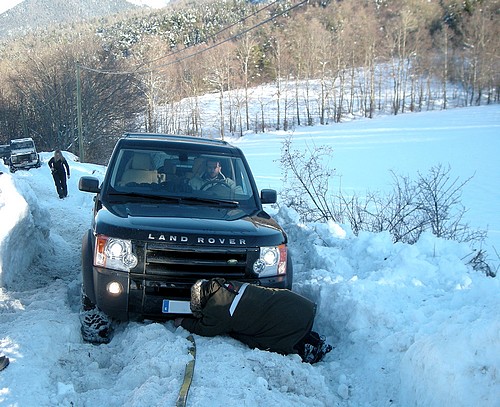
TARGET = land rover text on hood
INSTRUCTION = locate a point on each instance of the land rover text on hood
(172, 210)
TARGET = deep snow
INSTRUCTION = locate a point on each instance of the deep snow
(411, 325)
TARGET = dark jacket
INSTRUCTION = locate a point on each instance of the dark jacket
(264, 318)
(59, 166)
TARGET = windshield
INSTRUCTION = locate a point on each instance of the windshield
(182, 177)
(21, 145)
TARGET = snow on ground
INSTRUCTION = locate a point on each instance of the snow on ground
(411, 325)
(364, 152)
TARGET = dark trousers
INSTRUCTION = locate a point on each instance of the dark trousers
(60, 183)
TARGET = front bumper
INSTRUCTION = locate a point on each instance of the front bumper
(25, 165)
(152, 297)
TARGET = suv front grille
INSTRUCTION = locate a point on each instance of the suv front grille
(21, 158)
(181, 262)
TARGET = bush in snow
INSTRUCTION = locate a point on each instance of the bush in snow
(431, 203)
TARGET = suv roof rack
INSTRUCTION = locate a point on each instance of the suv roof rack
(171, 137)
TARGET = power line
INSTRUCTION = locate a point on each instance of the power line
(234, 36)
(139, 71)
(213, 36)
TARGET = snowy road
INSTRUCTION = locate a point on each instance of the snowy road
(144, 363)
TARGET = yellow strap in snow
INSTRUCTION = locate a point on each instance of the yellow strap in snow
(188, 375)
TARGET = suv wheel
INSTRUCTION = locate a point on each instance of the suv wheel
(95, 324)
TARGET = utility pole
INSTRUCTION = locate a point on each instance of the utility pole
(79, 113)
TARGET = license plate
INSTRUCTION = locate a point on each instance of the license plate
(176, 307)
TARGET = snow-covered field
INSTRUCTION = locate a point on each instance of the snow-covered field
(411, 325)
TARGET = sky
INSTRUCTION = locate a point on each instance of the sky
(8, 4)
(412, 325)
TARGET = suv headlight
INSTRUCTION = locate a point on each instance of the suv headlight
(271, 262)
(114, 253)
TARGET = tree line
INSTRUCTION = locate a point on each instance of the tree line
(323, 61)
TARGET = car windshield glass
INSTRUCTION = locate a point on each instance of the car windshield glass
(183, 177)
(20, 145)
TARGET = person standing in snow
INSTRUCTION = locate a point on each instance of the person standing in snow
(276, 320)
(59, 168)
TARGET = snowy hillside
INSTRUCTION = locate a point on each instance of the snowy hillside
(411, 325)
(21, 17)
(9, 4)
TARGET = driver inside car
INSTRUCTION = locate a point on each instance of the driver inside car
(211, 177)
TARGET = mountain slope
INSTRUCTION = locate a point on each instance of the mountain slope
(32, 15)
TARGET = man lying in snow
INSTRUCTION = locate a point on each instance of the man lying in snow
(269, 319)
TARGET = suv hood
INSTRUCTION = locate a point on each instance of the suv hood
(171, 224)
(22, 151)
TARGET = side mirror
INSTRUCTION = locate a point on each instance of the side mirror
(268, 196)
(89, 184)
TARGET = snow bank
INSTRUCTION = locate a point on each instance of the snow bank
(413, 313)
(25, 226)
(458, 366)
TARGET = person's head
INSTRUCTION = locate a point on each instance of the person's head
(213, 168)
(168, 167)
(198, 167)
(198, 297)
(58, 154)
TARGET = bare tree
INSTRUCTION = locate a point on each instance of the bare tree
(245, 54)
(439, 197)
(280, 61)
(481, 38)
(219, 71)
(309, 181)
(155, 84)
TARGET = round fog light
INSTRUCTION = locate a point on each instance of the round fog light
(114, 288)
(259, 266)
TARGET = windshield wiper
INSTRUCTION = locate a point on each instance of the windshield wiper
(147, 196)
(178, 199)
(217, 202)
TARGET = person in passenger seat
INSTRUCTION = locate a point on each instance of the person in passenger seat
(276, 320)
(167, 171)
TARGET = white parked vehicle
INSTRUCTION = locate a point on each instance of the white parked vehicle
(23, 154)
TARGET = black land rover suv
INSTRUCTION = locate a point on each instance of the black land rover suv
(172, 210)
